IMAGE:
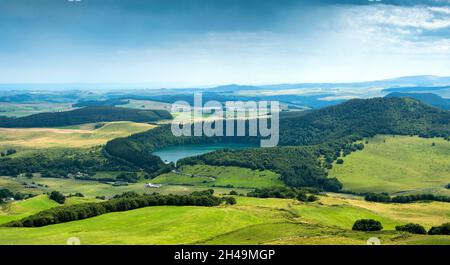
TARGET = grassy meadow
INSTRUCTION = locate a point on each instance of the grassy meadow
(80, 136)
(20, 209)
(250, 221)
(204, 175)
(92, 189)
(397, 164)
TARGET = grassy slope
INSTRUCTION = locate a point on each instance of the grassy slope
(397, 164)
(19, 209)
(82, 136)
(151, 225)
(221, 176)
(251, 221)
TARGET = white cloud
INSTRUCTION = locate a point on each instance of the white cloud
(444, 10)
(399, 29)
(415, 17)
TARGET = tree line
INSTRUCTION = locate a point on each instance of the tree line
(374, 225)
(304, 195)
(122, 203)
(384, 197)
(91, 114)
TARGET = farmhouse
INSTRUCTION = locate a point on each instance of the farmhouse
(150, 185)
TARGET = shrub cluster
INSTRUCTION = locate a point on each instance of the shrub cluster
(411, 228)
(286, 193)
(6, 193)
(87, 210)
(367, 225)
(443, 229)
(130, 177)
(8, 152)
(57, 197)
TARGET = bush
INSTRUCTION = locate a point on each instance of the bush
(378, 197)
(339, 161)
(412, 228)
(367, 225)
(229, 200)
(302, 197)
(233, 192)
(130, 177)
(5, 193)
(443, 229)
(274, 192)
(57, 197)
(312, 198)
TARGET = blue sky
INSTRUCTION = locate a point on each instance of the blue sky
(182, 43)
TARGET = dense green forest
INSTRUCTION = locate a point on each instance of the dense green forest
(61, 164)
(309, 143)
(84, 115)
(428, 98)
(94, 103)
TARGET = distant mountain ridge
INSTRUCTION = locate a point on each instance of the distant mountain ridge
(407, 81)
(419, 80)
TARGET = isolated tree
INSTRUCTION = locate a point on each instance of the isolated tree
(57, 197)
(367, 225)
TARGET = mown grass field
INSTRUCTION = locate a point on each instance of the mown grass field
(250, 221)
(397, 164)
(205, 175)
(79, 136)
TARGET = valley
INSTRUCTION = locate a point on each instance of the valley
(250, 221)
(336, 166)
(221, 131)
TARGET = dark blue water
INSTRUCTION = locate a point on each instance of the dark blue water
(175, 153)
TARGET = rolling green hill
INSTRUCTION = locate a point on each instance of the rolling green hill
(397, 164)
(76, 136)
(84, 115)
(428, 98)
(250, 221)
(20, 209)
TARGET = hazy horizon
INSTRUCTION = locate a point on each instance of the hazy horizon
(138, 86)
(182, 44)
